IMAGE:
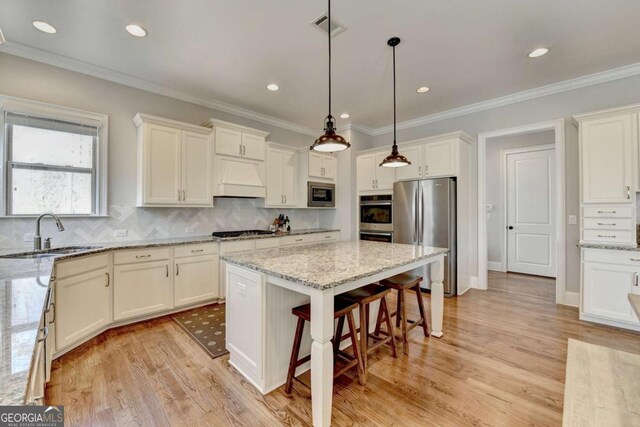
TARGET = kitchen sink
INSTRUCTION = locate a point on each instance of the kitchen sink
(47, 253)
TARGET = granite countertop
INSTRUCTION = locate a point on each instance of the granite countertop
(23, 292)
(327, 265)
(601, 387)
(608, 246)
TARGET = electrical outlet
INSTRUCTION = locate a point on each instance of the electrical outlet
(120, 233)
(28, 237)
(573, 219)
(190, 229)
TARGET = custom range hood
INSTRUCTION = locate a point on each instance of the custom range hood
(238, 178)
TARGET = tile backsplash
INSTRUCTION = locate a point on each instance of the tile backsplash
(155, 223)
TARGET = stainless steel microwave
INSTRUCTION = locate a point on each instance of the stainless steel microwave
(321, 195)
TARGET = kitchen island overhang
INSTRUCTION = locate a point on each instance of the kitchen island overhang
(263, 286)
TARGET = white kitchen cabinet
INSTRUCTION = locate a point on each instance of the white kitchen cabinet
(281, 177)
(440, 158)
(415, 154)
(142, 288)
(34, 394)
(322, 165)
(196, 279)
(370, 175)
(253, 146)
(238, 141)
(228, 142)
(83, 305)
(608, 149)
(174, 163)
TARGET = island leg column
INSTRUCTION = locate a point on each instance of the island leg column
(321, 356)
(437, 297)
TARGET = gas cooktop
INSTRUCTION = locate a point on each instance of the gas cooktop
(239, 233)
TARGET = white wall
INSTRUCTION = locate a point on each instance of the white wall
(495, 147)
(563, 105)
(36, 81)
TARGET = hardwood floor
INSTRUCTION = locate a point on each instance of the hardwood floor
(500, 362)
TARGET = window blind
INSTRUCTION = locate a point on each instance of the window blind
(21, 119)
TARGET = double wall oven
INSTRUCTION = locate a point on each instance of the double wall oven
(376, 218)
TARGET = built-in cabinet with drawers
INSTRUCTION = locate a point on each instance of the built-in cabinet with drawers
(174, 163)
(608, 147)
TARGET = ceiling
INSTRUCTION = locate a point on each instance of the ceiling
(466, 51)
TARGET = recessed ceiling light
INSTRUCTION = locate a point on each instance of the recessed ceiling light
(273, 87)
(45, 27)
(538, 52)
(422, 89)
(344, 115)
(136, 30)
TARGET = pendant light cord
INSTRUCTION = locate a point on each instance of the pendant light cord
(394, 95)
(329, 32)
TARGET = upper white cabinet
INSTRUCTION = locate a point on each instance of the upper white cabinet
(322, 165)
(370, 175)
(281, 177)
(609, 175)
(430, 158)
(174, 163)
(238, 141)
(415, 154)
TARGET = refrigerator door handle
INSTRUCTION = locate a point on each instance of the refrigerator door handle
(417, 215)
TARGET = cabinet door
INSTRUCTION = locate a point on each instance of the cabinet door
(83, 306)
(289, 177)
(316, 165)
(365, 172)
(275, 165)
(142, 288)
(162, 165)
(196, 280)
(440, 159)
(607, 158)
(415, 170)
(196, 169)
(330, 165)
(228, 142)
(385, 177)
(253, 146)
(605, 290)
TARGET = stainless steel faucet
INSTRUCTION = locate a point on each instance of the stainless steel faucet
(37, 239)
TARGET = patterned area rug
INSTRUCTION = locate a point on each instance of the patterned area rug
(206, 326)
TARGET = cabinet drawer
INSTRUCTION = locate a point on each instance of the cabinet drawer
(622, 237)
(81, 265)
(328, 237)
(267, 243)
(141, 255)
(298, 240)
(608, 224)
(194, 250)
(607, 212)
(237, 246)
(608, 256)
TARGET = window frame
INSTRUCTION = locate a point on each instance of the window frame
(99, 173)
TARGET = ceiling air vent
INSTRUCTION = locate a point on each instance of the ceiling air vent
(322, 24)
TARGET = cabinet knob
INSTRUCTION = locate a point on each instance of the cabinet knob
(510, 227)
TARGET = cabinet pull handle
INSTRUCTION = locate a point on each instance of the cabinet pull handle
(634, 259)
(419, 170)
(635, 279)
(609, 237)
(177, 269)
(184, 195)
(108, 280)
(167, 273)
(628, 191)
(53, 304)
(606, 212)
(285, 199)
(426, 169)
(45, 334)
(143, 256)
(299, 240)
(240, 149)
(49, 302)
(606, 223)
(193, 251)
(179, 195)
(327, 237)
(244, 150)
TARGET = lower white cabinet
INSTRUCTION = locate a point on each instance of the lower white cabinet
(196, 279)
(142, 288)
(83, 305)
(608, 276)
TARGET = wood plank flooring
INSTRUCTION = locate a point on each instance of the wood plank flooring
(501, 362)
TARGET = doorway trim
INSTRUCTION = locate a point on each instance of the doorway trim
(558, 126)
(504, 196)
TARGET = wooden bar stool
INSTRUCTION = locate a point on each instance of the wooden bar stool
(404, 282)
(364, 296)
(343, 308)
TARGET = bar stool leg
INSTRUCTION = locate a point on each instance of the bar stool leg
(356, 351)
(294, 355)
(423, 316)
(337, 338)
(387, 319)
(398, 308)
(403, 305)
(364, 339)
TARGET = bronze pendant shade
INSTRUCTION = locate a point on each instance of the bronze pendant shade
(395, 159)
(330, 141)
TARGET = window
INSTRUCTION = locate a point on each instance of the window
(53, 164)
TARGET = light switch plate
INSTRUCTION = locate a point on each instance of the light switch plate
(120, 233)
(573, 219)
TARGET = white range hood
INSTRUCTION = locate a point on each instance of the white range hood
(239, 178)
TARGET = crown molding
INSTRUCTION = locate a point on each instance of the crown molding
(539, 92)
(67, 63)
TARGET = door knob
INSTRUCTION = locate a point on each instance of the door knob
(510, 227)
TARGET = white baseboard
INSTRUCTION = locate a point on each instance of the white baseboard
(473, 282)
(495, 266)
(572, 299)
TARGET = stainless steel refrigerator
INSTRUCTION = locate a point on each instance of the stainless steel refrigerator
(424, 213)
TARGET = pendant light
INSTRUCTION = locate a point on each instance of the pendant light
(395, 159)
(330, 141)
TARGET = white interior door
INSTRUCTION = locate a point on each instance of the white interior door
(531, 193)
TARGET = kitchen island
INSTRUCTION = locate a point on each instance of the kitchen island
(263, 286)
